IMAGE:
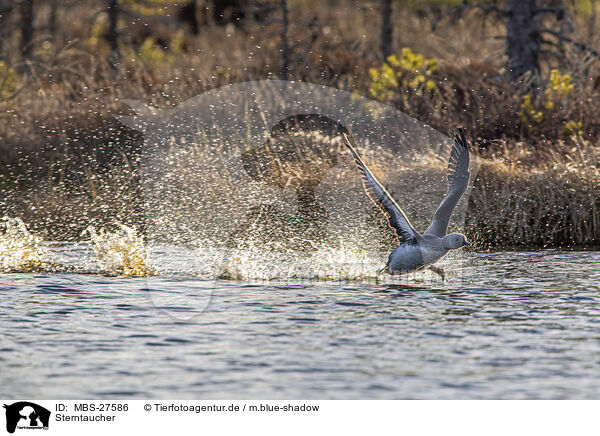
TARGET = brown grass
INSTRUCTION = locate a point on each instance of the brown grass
(66, 162)
(537, 198)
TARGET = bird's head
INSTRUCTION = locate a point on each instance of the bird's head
(455, 240)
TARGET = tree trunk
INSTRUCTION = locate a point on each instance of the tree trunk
(113, 36)
(52, 18)
(26, 28)
(5, 10)
(285, 51)
(386, 28)
(522, 37)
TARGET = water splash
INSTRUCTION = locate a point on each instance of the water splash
(20, 251)
(348, 262)
(344, 262)
(120, 252)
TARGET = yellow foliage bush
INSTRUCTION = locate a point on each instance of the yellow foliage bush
(409, 72)
(8, 82)
(152, 54)
(149, 7)
(534, 112)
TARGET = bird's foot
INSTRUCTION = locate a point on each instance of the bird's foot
(438, 271)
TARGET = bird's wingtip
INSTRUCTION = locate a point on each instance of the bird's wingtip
(460, 137)
(346, 140)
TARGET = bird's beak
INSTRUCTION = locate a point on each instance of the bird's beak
(467, 243)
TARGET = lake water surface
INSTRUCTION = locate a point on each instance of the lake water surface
(507, 326)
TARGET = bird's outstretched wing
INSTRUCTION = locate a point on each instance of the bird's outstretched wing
(458, 180)
(396, 218)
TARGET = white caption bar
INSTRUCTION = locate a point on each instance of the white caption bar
(182, 417)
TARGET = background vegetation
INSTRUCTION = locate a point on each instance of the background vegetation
(527, 100)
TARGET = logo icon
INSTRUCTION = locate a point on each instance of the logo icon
(26, 415)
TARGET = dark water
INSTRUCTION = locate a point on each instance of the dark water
(518, 325)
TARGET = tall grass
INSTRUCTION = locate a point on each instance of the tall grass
(540, 198)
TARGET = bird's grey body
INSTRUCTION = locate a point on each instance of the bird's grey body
(418, 251)
(404, 259)
(413, 257)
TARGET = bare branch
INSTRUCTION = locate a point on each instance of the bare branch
(579, 45)
(560, 11)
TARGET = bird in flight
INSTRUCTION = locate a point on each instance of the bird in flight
(419, 251)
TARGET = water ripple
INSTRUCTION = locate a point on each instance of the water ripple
(514, 325)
